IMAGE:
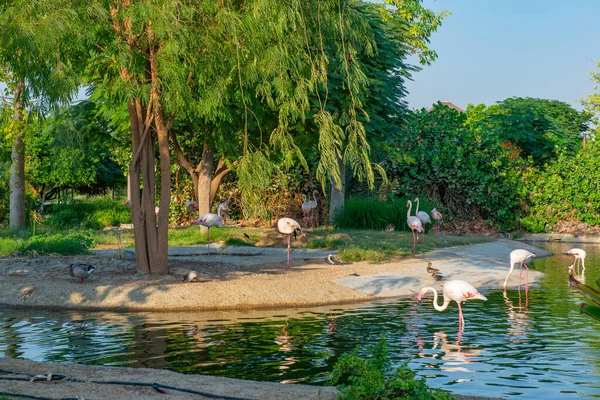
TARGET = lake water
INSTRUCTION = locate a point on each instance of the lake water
(516, 346)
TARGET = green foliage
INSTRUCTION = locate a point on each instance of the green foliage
(592, 310)
(73, 243)
(9, 245)
(89, 214)
(370, 214)
(470, 173)
(538, 128)
(592, 101)
(360, 376)
(568, 189)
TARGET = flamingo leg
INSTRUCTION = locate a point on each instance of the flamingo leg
(526, 278)
(461, 320)
(208, 241)
(289, 240)
(414, 241)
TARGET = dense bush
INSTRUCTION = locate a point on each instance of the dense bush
(568, 189)
(362, 377)
(73, 243)
(89, 214)
(471, 173)
(369, 213)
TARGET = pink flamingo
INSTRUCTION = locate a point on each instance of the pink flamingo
(288, 226)
(313, 206)
(519, 256)
(437, 216)
(579, 255)
(423, 216)
(191, 206)
(306, 207)
(209, 220)
(414, 223)
(223, 210)
(456, 290)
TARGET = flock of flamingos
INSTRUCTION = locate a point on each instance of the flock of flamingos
(454, 290)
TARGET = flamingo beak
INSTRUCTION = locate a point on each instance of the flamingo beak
(419, 297)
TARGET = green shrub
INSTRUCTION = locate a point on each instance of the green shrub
(360, 377)
(73, 243)
(88, 214)
(568, 189)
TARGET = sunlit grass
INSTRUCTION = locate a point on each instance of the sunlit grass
(365, 245)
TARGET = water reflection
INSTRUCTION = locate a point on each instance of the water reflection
(519, 343)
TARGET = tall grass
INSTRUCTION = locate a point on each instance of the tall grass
(95, 213)
(376, 214)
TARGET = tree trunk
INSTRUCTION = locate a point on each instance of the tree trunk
(220, 172)
(336, 202)
(17, 169)
(204, 170)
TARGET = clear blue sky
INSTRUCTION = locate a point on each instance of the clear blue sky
(489, 50)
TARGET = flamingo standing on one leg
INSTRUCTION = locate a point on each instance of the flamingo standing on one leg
(414, 223)
(519, 256)
(313, 206)
(209, 220)
(288, 227)
(579, 256)
(223, 210)
(456, 290)
(437, 216)
(423, 216)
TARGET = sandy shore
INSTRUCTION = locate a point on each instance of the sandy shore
(229, 281)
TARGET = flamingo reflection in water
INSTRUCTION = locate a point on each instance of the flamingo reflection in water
(285, 343)
(455, 356)
(518, 318)
(573, 271)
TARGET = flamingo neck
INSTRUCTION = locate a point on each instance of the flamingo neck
(409, 209)
(314, 197)
(417, 209)
(435, 299)
(304, 197)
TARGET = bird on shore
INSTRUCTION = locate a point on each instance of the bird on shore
(430, 268)
(422, 215)
(334, 260)
(437, 216)
(223, 210)
(81, 271)
(437, 276)
(390, 228)
(190, 277)
(519, 256)
(313, 206)
(305, 209)
(288, 227)
(579, 256)
(454, 290)
(414, 223)
(191, 206)
(209, 220)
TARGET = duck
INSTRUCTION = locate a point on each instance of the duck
(191, 276)
(430, 269)
(81, 271)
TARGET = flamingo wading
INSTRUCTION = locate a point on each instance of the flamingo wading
(209, 220)
(288, 226)
(579, 256)
(456, 290)
(414, 223)
(519, 256)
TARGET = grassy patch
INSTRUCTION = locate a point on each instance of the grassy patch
(74, 243)
(10, 245)
(377, 246)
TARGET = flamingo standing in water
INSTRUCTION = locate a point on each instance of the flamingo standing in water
(456, 290)
(209, 220)
(519, 256)
(288, 227)
(437, 216)
(579, 256)
(414, 223)
(423, 216)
